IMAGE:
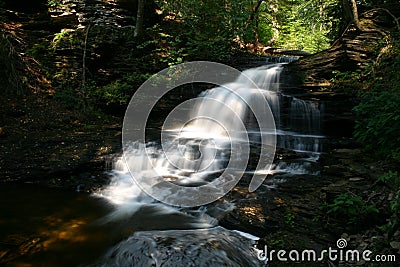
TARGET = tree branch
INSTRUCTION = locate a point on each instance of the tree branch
(396, 20)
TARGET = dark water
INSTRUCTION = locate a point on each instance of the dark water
(51, 227)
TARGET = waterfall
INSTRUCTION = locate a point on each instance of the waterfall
(196, 153)
(305, 116)
(266, 77)
(280, 59)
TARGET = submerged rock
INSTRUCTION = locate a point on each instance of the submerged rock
(205, 247)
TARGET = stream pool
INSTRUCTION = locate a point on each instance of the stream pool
(119, 225)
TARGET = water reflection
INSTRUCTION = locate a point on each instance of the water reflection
(50, 227)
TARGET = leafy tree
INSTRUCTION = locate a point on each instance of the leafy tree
(307, 25)
(292, 24)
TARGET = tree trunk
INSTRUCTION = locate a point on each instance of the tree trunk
(139, 19)
(83, 87)
(351, 13)
(255, 21)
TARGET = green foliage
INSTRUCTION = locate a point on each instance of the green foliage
(379, 124)
(65, 38)
(265, 31)
(69, 98)
(37, 50)
(308, 25)
(226, 19)
(393, 223)
(119, 91)
(298, 37)
(395, 206)
(66, 90)
(217, 48)
(390, 178)
(210, 28)
(289, 219)
(204, 30)
(185, 44)
(351, 208)
(54, 3)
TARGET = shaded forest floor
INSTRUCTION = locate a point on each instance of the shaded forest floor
(43, 142)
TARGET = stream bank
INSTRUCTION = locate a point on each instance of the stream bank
(285, 213)
(44, 143)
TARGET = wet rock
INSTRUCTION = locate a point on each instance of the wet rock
(361, 263)
(346, 153)
(397, 234)
(283, 153)
(201, 247)
(356, 179)
(395, 244)
(337, 170)
(65, 21)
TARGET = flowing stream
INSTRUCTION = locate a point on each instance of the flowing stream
(133, 229)
(204, 141)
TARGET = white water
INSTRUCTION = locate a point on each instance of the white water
(305, 116)
(196, 153)
(281, 59)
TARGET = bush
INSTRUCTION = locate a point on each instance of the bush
(182, 44)
(393, 223)
(379, 125)
(351, 208)
(120, 91)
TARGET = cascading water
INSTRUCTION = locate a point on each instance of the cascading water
(205, 143)
(305, 116)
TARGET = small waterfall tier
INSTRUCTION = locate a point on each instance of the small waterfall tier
(195, 154)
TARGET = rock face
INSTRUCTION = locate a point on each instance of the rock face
(31, 6)
(95, 12)
(311, 76)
